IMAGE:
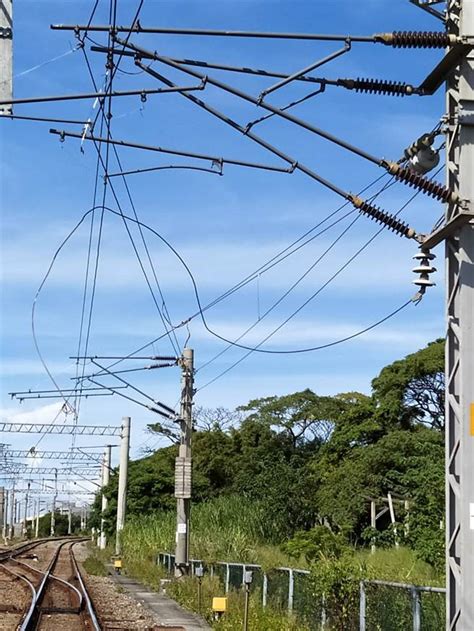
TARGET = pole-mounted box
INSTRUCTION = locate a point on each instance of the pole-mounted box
(182, 488)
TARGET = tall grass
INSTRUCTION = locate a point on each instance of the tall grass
(228, 527)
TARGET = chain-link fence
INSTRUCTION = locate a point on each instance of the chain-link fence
(383, 605)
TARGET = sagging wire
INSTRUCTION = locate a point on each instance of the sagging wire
(165, 313)
(301, 278)
(414, 300)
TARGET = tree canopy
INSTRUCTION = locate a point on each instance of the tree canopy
(310, 460)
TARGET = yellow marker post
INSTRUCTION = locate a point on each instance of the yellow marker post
(219, 607)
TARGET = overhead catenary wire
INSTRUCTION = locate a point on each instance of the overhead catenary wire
(415, 299)
(300, 278)
(402, 174)
(131, 201)
(397, 39)
(174, 342)
(249, 278)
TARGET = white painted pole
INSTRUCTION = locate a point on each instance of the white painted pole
(122, 486)
(105, 480)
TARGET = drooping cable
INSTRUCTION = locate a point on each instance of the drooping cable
(174, 342)
(300, 278)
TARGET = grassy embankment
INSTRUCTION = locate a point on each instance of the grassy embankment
(229, 529)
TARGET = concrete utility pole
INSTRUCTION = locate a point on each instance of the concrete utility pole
(105, 480)
(38, 501)
(25, 516)
(122, 486)
(2, 503)
(459, 236)
(11, 528)
(53, 506)
(183, 465)
(6, 55)
(5, 515)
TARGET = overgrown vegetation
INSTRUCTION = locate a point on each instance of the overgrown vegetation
(289, 480)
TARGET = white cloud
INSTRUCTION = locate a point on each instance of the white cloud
(43, 414)
(12, 367)
(386, 262)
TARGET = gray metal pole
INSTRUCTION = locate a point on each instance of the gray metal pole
(460, 334)
(105, 481)
(362, 606)
(5, 515)
(183, 465)
(38, 502)
(25, 516)
(6, 55)
(2, 503)
(11, 529)
(122, 486)
(69, 519)
(53, 506)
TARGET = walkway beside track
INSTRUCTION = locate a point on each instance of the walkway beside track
(168, 611)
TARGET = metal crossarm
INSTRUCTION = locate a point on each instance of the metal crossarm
(50, 455)
(45, 428)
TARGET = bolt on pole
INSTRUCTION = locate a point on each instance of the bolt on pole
(122, 486)
(459, 254)
(183, 465)
(105, 481)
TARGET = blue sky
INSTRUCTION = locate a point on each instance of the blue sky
(223, 227)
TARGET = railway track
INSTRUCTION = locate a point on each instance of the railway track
(44, 590)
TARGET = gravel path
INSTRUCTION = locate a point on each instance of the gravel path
(115, 608)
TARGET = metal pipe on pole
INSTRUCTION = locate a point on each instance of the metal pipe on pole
(183, 466)
(105, 481)
(122, 485)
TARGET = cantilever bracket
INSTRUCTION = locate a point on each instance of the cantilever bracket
(440, 73)
(447, 230)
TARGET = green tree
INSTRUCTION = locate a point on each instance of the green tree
(411, 390)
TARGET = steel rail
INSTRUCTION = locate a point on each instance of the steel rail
(30, 619)
(52, 576)
(87, 599)
(30, 585)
